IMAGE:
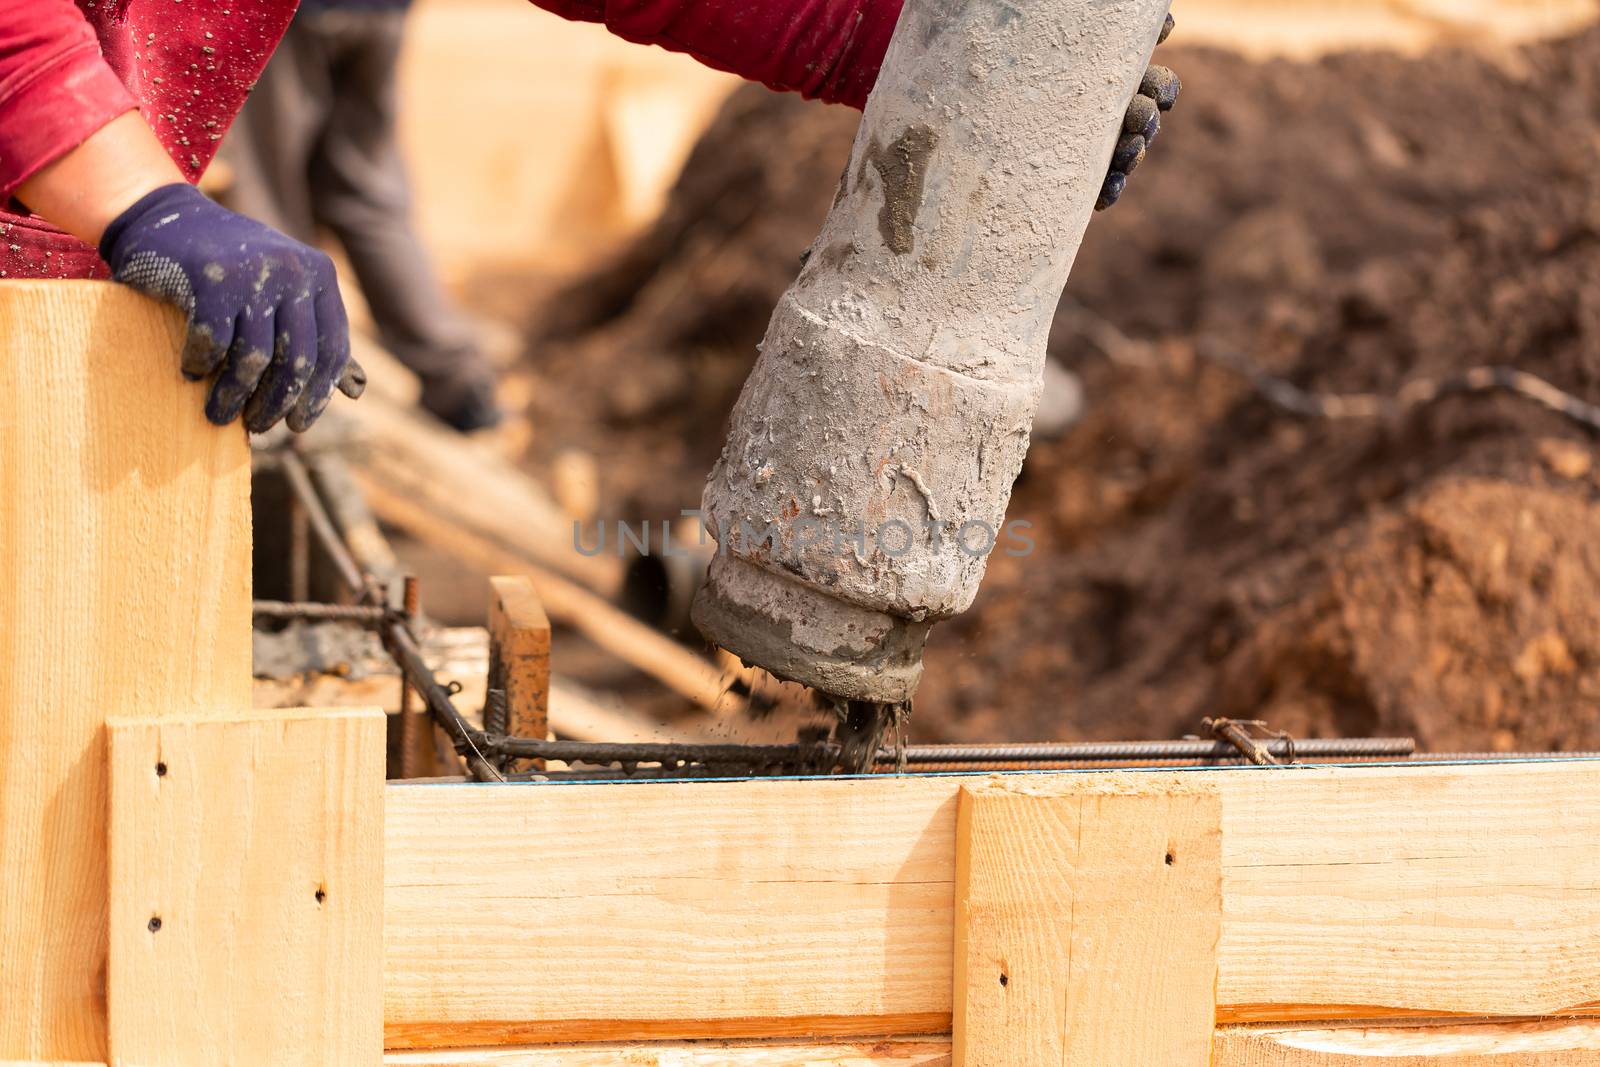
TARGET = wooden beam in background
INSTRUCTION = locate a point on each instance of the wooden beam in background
(826, 906)
(467, 488)
(124, 589)
(246, 890)
(519, 655)
(1087, 916)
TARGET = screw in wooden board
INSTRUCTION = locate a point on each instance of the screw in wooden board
(155, 923)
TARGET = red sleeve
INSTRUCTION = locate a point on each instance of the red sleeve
(828, 49)
(55, 88)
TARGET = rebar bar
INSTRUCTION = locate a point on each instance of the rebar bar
(416, 730)
(294, 472)
(822, 756)
(1126, 751)
(1485, 757)
(313, 611)
(728, 755)
(469, 743)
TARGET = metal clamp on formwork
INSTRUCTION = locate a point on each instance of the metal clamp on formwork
(1236, 732)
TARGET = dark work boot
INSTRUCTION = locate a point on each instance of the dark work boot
(464, 406)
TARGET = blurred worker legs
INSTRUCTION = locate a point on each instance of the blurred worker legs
(316, 145)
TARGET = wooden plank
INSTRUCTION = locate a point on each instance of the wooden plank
(871, 1052)
(1521, 1043)
(124, 588)
(1087, 916)
(709, 910)
(826, 906)
(1528, 1043)
(1465, 890)
(246, 904)
(519, 636)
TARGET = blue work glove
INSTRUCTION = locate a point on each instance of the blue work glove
(265, 316)
(1158, 91)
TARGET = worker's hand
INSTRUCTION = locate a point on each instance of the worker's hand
(1157, 93)
(264, 310)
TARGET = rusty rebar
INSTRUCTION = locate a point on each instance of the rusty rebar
(294, 472)
(313, 611)
(414, 728)
(1127, 751)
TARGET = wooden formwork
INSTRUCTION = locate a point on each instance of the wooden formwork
(186, 881)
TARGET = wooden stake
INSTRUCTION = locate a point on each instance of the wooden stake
(124, 589)
(519, 655)
(246, 862)
(1087, 922)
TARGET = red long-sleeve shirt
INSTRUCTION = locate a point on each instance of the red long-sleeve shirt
(68, 67)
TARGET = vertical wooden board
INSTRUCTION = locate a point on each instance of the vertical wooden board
(520, 634)
(1016, 859)
(124, 583)
(1143, 986)
(247, 890)
(1087, 921)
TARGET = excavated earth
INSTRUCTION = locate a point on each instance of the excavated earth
(1350, 224)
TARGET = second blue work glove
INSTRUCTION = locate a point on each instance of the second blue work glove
(265, 315)
(1158, 91)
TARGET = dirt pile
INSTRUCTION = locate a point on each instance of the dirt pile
(1351, 224)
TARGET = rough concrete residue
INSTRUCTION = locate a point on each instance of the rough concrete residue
(902, 168)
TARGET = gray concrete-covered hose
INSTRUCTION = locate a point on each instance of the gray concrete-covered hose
(871, 454)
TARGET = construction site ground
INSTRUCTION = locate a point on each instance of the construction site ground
(1351, 222)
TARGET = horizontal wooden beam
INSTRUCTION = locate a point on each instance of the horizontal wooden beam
(868, 1052)
(1529, 1043)
(769, 908)
(1521, 1043)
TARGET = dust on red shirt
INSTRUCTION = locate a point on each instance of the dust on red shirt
(68, 67)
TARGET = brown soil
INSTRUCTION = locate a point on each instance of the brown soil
(1351, 224)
